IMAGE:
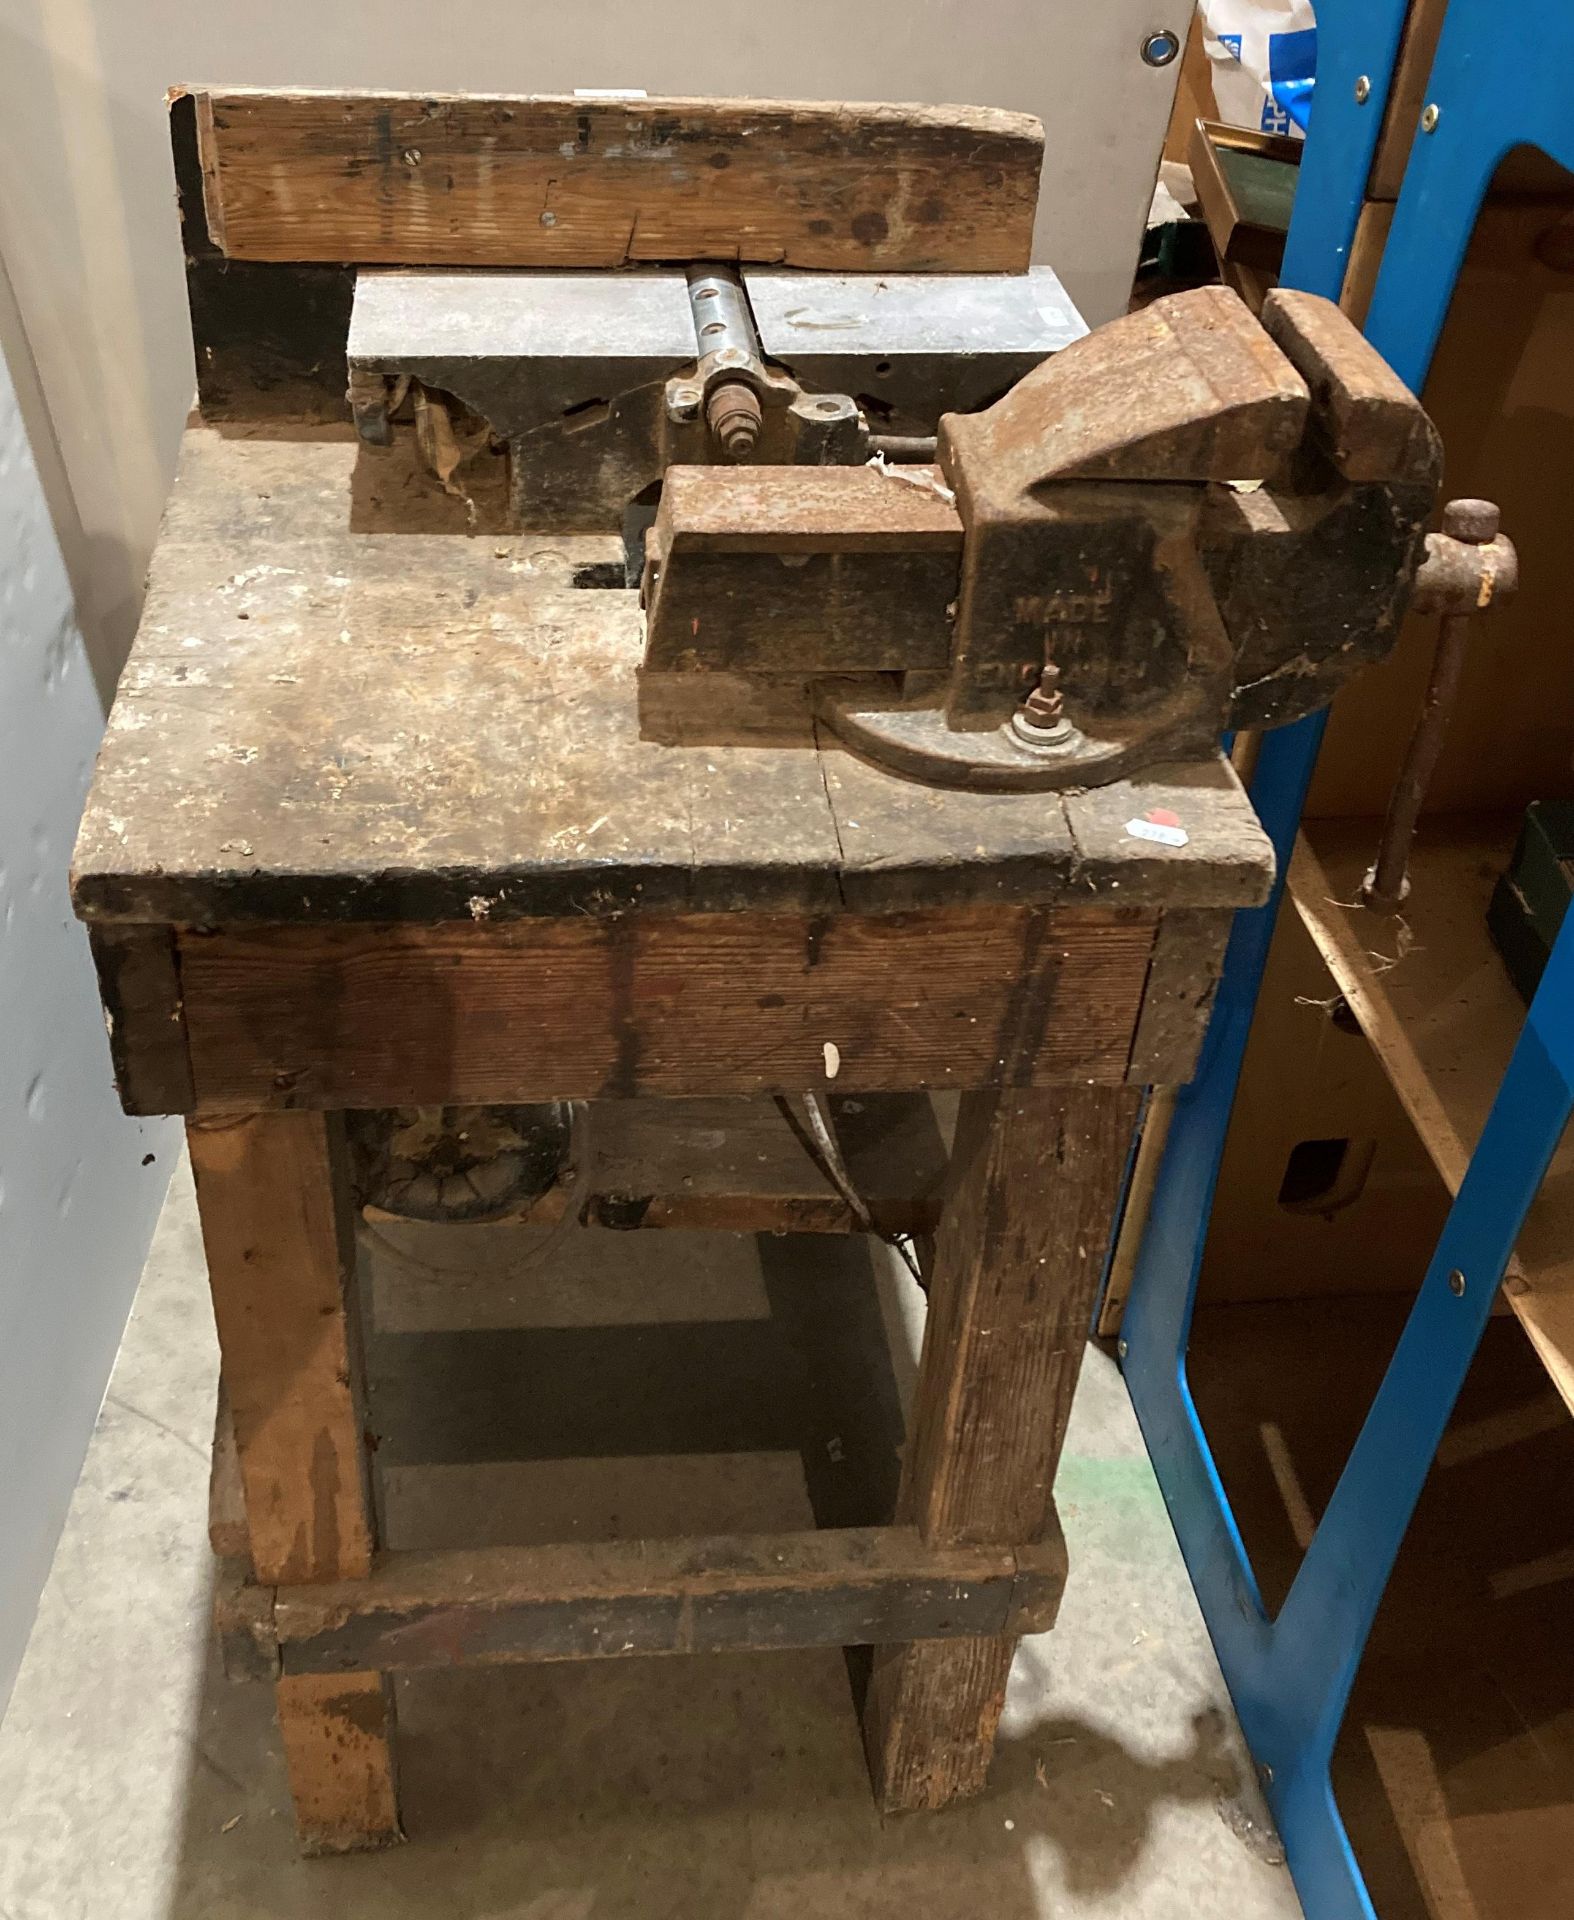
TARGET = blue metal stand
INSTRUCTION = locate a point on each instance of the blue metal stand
(1500, 80)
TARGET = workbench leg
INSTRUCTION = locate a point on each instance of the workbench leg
(1036, 1179)
(279, 1230)
(337, 1730)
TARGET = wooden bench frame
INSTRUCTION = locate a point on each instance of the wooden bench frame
(973, 1559)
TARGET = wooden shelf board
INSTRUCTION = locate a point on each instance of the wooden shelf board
(1437, 1005)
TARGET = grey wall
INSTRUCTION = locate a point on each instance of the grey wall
(77, 1202)
(96, 339)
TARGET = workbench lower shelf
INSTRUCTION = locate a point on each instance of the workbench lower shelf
(730, 1593)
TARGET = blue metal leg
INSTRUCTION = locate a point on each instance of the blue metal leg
(1500, 78)
(1290, 1678)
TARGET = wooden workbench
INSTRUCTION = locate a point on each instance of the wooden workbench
(374, 825)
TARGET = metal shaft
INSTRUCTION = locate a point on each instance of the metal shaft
(721, 313)
(1469, 524)
(729, 353)
(1386, 885)
(905, 449)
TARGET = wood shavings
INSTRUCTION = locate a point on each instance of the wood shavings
(250, 574)
(442, 448)
(924, 478)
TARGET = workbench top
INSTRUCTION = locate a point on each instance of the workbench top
(343, 706)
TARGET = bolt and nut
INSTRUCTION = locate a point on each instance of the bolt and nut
(1046, 704)
(1040, 721)
(734, 417)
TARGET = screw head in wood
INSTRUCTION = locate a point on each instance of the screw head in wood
(1431, 116)
(1456, 1284)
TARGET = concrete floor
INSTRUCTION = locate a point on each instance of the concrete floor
(138, 1785)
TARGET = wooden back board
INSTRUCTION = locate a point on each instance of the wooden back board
(284, 194)
(562, 181)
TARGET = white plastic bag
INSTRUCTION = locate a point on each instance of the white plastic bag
(1263, 60)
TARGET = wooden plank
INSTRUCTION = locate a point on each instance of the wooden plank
(243, 1623)
(1140, 1188)
(1443, 1017)
(1406, 97)
(518, 180)
(832, 1587)
(338, 1746)
(269, 339)
(1188, 957)
(1194, 98)
(930, 1718)
(228, 1533)
(669, 1004)
(1035, 1183)
(904, 844)
(139, 982)
(1036, 1177)
(276, 1224)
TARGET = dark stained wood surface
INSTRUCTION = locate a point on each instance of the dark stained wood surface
(139, 982)
(1188, 956)
(930, 1718)
(829, 1587)
(665, 1004)
(543, 181)
(1036, 1177)
(325, 720)
(1035, 1181)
